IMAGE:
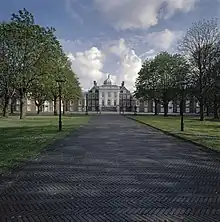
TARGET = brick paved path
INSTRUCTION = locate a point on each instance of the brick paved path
(116, 170)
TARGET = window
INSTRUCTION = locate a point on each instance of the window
(115, 93)
(28, 108)
(28, 102)
(109, 102)
(115, 102)
(109, 94)
(103, 102)
(103, 94)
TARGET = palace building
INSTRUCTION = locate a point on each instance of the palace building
(109, 97)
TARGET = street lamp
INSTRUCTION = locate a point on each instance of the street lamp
(123, 108)
(86, 104)
(183, 85)
(60, 81)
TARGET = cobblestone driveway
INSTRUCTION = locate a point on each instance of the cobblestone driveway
(116, 170)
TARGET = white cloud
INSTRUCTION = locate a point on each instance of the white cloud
(141, 14)
(129, 63)
(88, 66)
(117, 57)
(164, 40)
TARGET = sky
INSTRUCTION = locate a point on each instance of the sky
(114, 37)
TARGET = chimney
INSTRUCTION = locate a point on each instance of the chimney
(122, 83)
(95, 83)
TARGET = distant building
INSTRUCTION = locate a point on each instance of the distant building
(109, 97)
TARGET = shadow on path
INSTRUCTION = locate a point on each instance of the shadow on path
(115, 169)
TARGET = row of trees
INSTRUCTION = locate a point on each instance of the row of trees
(196, 67)
(31, 60)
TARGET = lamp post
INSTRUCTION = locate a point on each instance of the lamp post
(182, 88)
(86, 104)
(123, 104)
(60, 81)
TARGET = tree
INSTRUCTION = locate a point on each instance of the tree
(39, 93)
(199, 45)
(166, 78)
(59, 65)
(71, 88)
(7, 66)
(32, 48)
(146, 83)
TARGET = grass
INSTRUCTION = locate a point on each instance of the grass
(23, 139)
(206, 133)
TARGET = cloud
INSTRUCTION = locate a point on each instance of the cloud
(117, 57)
(129, 63)
(164, 40)
(70, 8)
(88, 66)
(141, 14)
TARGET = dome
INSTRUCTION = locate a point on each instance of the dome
(108, 81)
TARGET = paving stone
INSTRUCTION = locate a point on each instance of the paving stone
(115, 169)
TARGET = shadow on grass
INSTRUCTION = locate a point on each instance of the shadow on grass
(196, 135)
(20, 143)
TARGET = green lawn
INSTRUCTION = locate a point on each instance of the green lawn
(206, 133)
(22, 139)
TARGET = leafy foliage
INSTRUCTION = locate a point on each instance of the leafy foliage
(159, 78)
(31, 60)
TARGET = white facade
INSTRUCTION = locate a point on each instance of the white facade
(109, 96)
(106, 96)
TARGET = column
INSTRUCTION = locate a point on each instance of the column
(84, 102)
(118, 101)
(100, 100)
(106, 99)
(112, 98)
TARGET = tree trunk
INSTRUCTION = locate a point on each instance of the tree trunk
(22, 105)
(12, 106)
(55, 106)
(38, 109)
(201, 97)
(216, 114)
(165, 105)
(67, 106)
(6, 106)
(201, 106)
(207, 110)
(156, 107)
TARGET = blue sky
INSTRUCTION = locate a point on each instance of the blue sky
(114, 36)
